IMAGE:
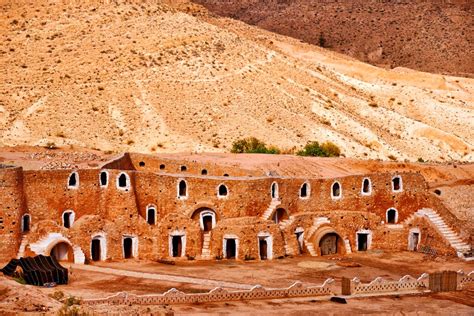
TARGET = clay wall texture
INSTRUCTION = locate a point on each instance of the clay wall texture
(115, 213)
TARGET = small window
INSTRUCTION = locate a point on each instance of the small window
(123, 181)
(336, 190)
(182, 189)
(274, 190)
(25, 223)
(68, 219)
(204, 172)
(162, 167)
(226, 174)
(304, 191)
(397, 184)
(73, 181)
(141, 164)
(104, 178)
(366, 187)
(392, 216)
(222, 191)
(151, 215)
(184, 168)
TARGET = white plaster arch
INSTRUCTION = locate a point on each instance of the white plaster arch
(178, 233)
(336, 197)
(400, 183)
(46, 244)
(274, 190)
(308, 191)
(76, 185)
(107, 177)
(186, 193)
(396, 215)
(224, 245)
(225, 196)
(269, 239)
(127, 181)
(207, 212)
(148, 207)
(72, 217)
(103, 245)
(370, 187)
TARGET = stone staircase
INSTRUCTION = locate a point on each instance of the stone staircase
(462, 248)
(21, 250)
(271, 208)
(287, 222)
(206, 252)
(317, 222)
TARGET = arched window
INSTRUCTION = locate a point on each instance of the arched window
(182, 189)
(25, 223)
(397, 185)
(183, 168)
(304, 191)
(103, 178)
(274, 190)
(151, 215)
(204, 172)
(123, 181)
(68, 219)
(366, 187)
(336, 190)
(222, 191)
(392, 216)
(73, 181)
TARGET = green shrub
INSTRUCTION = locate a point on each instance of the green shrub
(313, 149)
(252, 145)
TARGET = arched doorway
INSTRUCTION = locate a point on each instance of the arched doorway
(62, 251)
(329, 244)
(95, 250)
(279, 215)
(127, 247)
(206, 217)
(392, 216)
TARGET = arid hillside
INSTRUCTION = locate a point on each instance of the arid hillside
(427, 35)
(150, 78)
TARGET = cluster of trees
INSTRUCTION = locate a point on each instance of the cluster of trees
(252, 145)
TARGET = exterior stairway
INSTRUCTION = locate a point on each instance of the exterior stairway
(318, 221)
(206, 252)
(287, 222)
(21, 250)
(268, 213)
(448, 234)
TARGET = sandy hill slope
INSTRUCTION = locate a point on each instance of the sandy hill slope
(149, 78)
(428, 35)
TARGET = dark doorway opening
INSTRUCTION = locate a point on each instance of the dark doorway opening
(391, 216)
(127, 247)
(304, 190)
(122, 181)
(62, 252)
(274, 191)
(362, 241)
(415, 239)
(396, 184)
(182, 188)
(299, 239)
(336, 189)
(26, 223)
(222, 190)
(67, 219)
(279, 215)
(151, 216)
(207, 222)
(263, 246)
(95, 249)
(72, 180)
(328, 244)
(231, 248)
(366, 186)
(177, 245)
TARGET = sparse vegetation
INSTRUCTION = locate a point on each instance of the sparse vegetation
(252, 145)
(314, 149)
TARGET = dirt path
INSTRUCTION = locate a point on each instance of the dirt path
(163, 277)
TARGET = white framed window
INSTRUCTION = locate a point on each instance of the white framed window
(151, 215)
(123, 181)
(305, 191)
(182, 189)
(397, 184)
(336, 191)
(222, 191)
(68, 218)
(366, 188)
(391, 216)
(73, 180)
(274, 190)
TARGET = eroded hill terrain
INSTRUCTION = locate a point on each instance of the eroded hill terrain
(433, 36)
(151, 78)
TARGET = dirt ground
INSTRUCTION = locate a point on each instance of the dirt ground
(276, 273)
